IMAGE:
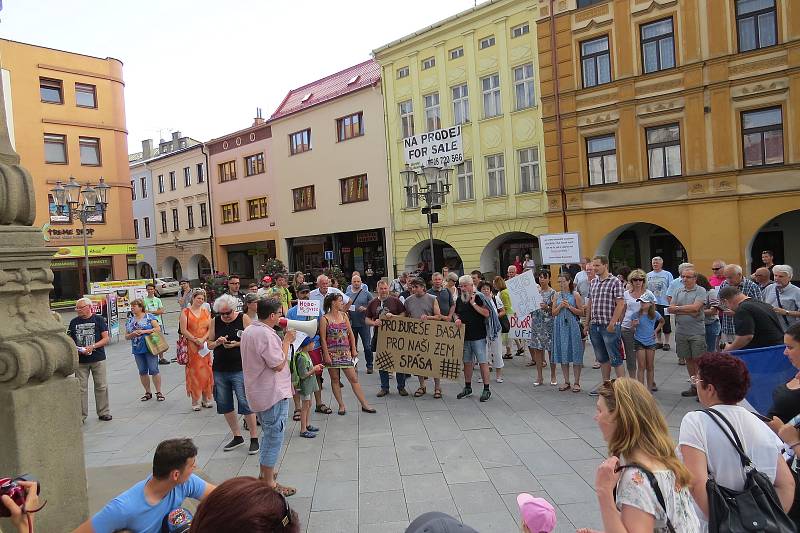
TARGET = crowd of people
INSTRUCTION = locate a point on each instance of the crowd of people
(648, 483)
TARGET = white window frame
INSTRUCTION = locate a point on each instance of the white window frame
(486, 42)
(402, 72)
(428, 63)
(460, 94)
(465, 189)
(524, 86)
(520, 30)
(455, 53)
(529, 175)
(495, 175)
(406, 118)
(492, 102)
(433, 112)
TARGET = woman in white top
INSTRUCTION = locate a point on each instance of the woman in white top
(632, 305)
(494, 349)
(722, 381)
(651, 483)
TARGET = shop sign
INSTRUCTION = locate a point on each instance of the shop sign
(346, 250)
(52, 233)
(367, 236)
(438, 148)
(99, 261)
(64, 263)
(96, 250)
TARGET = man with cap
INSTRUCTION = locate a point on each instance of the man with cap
(537, 515)
(436, 522)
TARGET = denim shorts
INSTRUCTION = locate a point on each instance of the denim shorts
(475, 351)
(146, 363)
(605, 344)
(273, 425)
(225, 385)
(639, 346)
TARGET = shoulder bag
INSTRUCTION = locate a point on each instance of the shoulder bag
(755, 508)
(182, 348)
(656, 489)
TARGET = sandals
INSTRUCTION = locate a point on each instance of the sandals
(324, 409)
(284, 491)
(341, 412)
(537, 383)
(576, 387)
(296, 415)
(420, 392)
(596, 365)
(195, 407)
(437, 394)
(160, 397)
(530, 364)
(564, 387)
(146, 397)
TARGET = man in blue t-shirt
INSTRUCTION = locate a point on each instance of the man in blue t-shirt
(658, 282)
(89, 332)
(142, 508)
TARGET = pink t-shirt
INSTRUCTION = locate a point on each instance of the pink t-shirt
(716, 281)
(262, 350)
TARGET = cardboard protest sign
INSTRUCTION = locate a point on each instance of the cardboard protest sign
(525, 294)
(429, 348)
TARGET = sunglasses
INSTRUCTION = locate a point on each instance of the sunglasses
(637, 279)
(716, 268)
(695, 380)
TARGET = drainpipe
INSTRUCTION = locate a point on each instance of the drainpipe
(391, 265)
(210, 210)
(557, 94)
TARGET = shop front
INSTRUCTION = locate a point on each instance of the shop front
(106, 262)
(244, 259)
(351, 251)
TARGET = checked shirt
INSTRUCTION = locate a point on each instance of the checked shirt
(604, 295)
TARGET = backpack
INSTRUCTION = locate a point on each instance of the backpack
(293, 366)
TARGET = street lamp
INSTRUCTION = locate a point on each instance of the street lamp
(82, 202)
(432, 185)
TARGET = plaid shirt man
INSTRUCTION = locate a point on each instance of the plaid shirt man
(748, 288)
(604, 294)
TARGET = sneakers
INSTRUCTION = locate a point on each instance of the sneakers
(485, 395)
(499, 380)
(382, 393)
(308, 434)
(104, 418)
(254, 447)
(402, 392)
(691, 391)
(233, 444)
(464, 393)
(594, 392)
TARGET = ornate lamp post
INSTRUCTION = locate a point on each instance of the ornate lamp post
(431, 185)
(83, 202)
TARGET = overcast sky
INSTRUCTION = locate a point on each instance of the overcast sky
(202, 67)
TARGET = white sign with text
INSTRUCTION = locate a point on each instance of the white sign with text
(438, 148)
(308, 308)
(525, 294)
(560, 248)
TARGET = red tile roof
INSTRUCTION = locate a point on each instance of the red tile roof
(366, 74)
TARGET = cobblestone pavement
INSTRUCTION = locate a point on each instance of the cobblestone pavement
(376, 472)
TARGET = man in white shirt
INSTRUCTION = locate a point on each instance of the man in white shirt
(323, 289)
(783, 296)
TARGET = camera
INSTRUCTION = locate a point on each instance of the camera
(9, 487)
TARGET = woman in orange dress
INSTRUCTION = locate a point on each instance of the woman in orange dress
(195, 321)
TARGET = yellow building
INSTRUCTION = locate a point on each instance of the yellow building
(67, 114)
(671, 128)
(478, 69)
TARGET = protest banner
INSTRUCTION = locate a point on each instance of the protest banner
(525, 294)
(308, 308)
(429, 348)
(520, 327)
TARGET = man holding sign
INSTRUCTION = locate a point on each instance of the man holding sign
(424, 306)
(385, 306)
(473, 313)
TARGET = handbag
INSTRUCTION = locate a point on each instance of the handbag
(656, 489)
(156, 343)
(182, 351)
(755, 508)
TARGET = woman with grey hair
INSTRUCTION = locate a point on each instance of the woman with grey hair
(783, 296)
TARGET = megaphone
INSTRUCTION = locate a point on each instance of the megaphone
(309, 327)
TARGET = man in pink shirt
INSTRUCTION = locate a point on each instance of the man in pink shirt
(717, 276)
(268, 383)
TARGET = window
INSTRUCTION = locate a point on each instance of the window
(230, 213)
(136, 229)
(55, 148)
(227, 171)
(350, 126)
(161, 183)
(455, 53)
(133, 189)
(433, 116)
(762, 137)
(85, 95)
(664, 151)
(584, 3)
(595, 62)
(529, 169)
(486, 42)
(143, 183)
(658, 46)
(201, 175)
(354, 189)
(496, 172)
(163, 221)
(491, 96)
(172, 183)
(523, 86)
(411, 188)
(257, 208)
(303, 198)
(407, 118)
(460, 104)
(187, 177)
(756, 24)
(519, 31)
(602, 155)
(189, 217)
(146, 227)
(51, 91)
(402, 72)
(90, 151)
(254, 164)
(175, 224)
(300, 142)
(203, 215)
(464, 180)
(428, 63)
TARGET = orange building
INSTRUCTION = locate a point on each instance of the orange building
(67, 118)
(671, 128)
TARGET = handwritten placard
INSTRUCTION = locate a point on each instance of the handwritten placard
(308, 308)
(525, 294)
(520, 327)
(420, 347)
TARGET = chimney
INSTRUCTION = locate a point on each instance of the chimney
(147, 149)
(259, 119)
(175, 136)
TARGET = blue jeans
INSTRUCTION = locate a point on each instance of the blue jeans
(226, 384)
(273, 425)
(364, 333)
(605, 344)
(401, 379)
(146, 363)
(712, 336)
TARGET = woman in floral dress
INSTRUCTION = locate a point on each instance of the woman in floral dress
(542, 329)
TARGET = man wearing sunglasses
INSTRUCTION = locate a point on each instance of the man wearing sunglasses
(717, 277)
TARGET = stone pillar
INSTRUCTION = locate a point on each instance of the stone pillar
(40, 420)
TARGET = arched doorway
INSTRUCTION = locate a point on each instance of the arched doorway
(633, 245)
(198, 267)
(144, 270)
(443, 255)
(776, 236)
(171, 268)
(503, 249)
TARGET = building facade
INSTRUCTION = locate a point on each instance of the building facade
(671, 128)
(477, 69)
(68, 114)
(144, 217)
(329, 165)
(245, 226)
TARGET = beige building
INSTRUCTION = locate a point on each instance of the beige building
(245, 227)
(329, 164)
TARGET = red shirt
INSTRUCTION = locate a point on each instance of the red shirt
(518, 266)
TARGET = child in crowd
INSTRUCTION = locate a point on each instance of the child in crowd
(304, 380)
(646, 326)
(538, 516)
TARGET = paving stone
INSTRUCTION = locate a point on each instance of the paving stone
(380, 507)
(335, 495)
(446, 506)
(377, 456)
(493, 522)
(470, 497)
(513, 479)
(379, 479)
(464, 471)
(425, 487)
(385, 527)
(340, 521)
(567, 488)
